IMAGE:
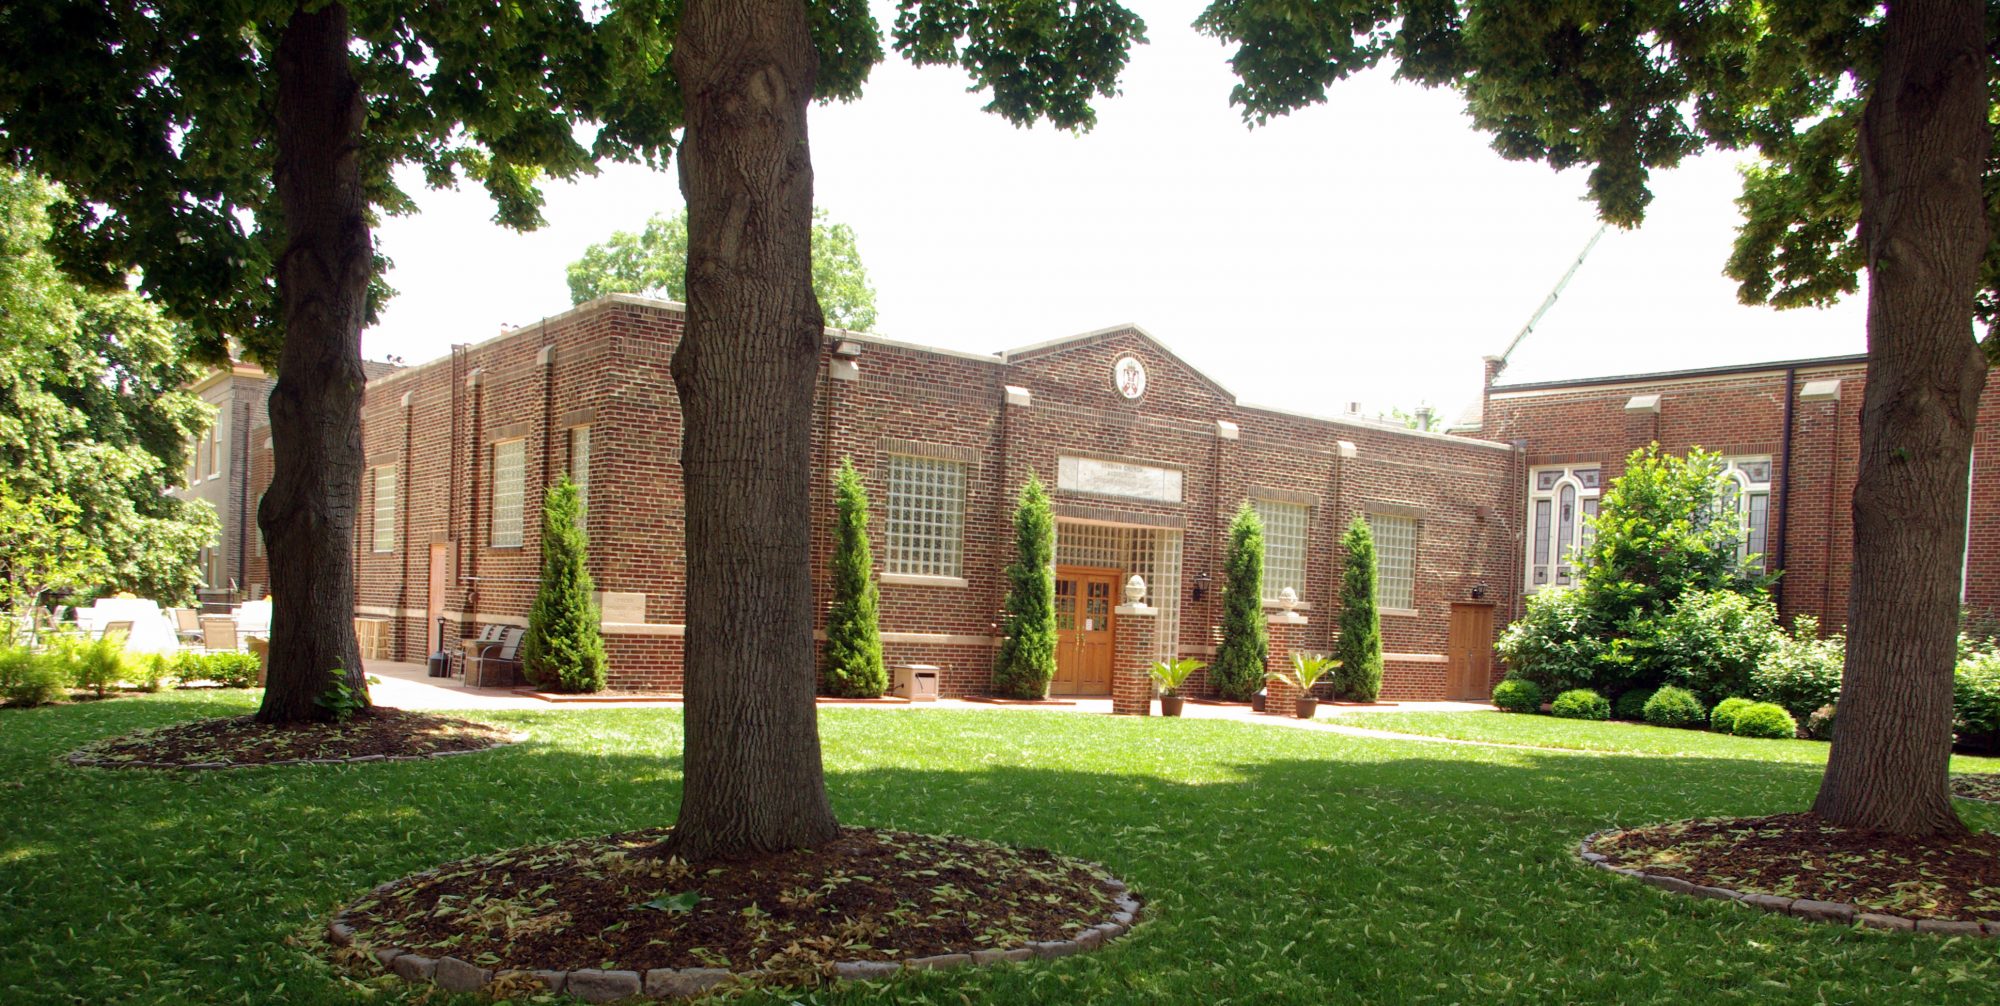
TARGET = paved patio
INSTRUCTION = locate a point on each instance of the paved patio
(408, 686)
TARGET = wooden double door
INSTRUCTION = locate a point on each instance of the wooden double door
(1084, 632)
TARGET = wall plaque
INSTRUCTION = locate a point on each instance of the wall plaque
(1118, 478)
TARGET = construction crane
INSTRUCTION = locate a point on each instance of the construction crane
(1536, 318)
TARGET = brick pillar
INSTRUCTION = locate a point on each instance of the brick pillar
(1131, 653)
(1288, 633)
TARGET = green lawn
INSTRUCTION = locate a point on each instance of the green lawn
(1283, 866)
(1631, 738)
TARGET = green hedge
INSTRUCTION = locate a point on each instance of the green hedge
(1581, 704)
(1516, 695)
(1765, 719)
(1674, 707)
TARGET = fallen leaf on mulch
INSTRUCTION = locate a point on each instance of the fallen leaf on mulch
(614, 903)
(1800, 856)
(1984, 787)
(241, 740)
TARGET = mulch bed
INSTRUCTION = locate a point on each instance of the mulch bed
(1799, 856)
(375, 734)
(1984, 787)
(615, 903)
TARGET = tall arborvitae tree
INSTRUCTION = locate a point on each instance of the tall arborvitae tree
(1246, 641)
(1360, 644)
(564, 647)
(1875, 126)
(853, 658)
(1027, 660)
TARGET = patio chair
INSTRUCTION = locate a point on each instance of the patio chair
(187, 625)
(218, 634)
(496, 663)
(123, 629)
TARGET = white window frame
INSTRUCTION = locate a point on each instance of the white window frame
(579, 471)
(508, 500)
(924, 517)
(1287, 533)
(383, 520)
(1395, 562)
(1748, 494)
(214, 449)
(1583, 483)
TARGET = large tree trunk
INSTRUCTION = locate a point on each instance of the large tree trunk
(308, 513)
(745, 370)
(1923, 229)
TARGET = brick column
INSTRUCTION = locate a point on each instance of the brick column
(1131, 653)
(1288, 633)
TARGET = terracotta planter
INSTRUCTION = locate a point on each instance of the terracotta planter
(1307, 706)
(1170, 705)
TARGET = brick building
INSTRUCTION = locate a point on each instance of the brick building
(1789, 432)
(1146, 458)
(218, 464)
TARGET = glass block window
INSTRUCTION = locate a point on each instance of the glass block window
(926, 514)
(1284, 546)
(1154, 554)
(385, 508)
(1395, 560)
(579, 470)
(1562, 508)
(509, 486)
(1746, 491)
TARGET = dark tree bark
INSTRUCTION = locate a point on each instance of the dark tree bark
(308, 513)
(1923, 229)
(745, 371)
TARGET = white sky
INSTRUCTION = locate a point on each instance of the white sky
(1371, 249)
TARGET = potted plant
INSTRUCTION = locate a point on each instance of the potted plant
(1307, 669)
(1169, 675)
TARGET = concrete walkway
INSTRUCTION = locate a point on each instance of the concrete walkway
(408, 686)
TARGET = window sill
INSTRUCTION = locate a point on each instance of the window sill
(1273, 604)
(506, 548)
(384, 551)
(915, 580)
(1406, 612)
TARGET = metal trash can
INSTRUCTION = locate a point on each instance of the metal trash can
(916, 682)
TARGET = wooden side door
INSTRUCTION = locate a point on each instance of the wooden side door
(1084, 630)
(440, 581)
(1469, 653)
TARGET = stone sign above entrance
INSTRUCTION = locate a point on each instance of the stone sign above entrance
(1117, 478)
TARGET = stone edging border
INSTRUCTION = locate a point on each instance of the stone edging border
(599, 986)
(83, 758)
(1804, 908)
(1966, 796)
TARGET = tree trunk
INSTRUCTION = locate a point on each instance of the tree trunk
(745, 371)
(1923, 228)
(308, 513)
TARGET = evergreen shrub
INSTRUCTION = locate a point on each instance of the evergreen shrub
(1767, 720)
(1238, 669)
(564, 647)
(28, 680)
(1975, 697)
(1631, 704)
(1581, 704)
(1674, 707)
(1359, 648)
(1722, 719)
(1517, 695)
(1026, 662)
(853, 655)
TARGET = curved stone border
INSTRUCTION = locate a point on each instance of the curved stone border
(600, 986)
(1804, 908)
(84, 758)
(1956, 795)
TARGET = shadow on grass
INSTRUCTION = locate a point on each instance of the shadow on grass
(1280, 866)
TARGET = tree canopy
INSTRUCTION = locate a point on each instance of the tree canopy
(653, 261)
(94, 424)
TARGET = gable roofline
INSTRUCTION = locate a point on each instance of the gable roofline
(1095, 336)
(1816, 362)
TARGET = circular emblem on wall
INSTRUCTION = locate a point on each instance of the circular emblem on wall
(1128, 375)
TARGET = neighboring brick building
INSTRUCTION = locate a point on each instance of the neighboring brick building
(1146, 469)
(218, 462)
(1790, 431)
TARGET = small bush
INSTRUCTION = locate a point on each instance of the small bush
(1556, 645)
(1581, 704)
(1711, 641)
(29, 680)
(1631, 704)
(1722, 719)
(230, 670)
(1518, 695)
(1765, 719)
(1674, 707)
(1819, 725)
(148, 672)
(1802, 673)
(1975, 701)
